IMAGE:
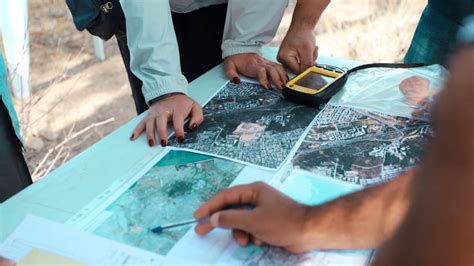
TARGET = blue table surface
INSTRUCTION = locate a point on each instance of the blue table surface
(66, 190)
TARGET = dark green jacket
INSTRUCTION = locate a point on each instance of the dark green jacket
(102, 18)
(84, 12)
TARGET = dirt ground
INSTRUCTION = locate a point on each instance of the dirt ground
(76, 97)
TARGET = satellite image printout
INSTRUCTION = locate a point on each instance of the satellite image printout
(248, 123)
(361, 147)
(169, 192)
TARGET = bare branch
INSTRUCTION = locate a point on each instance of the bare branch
(45, 167)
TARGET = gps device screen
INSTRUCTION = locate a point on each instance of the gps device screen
(313, 81)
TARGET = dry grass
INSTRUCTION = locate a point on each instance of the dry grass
(71, 90)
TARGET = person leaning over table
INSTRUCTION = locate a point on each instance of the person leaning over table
(248, 26)
(200, 29)
(427, 210)
(161, 49)
(14, 173)
(156, 53)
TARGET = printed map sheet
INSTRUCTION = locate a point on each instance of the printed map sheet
(168, 192)
(51, 243)
(174, 186)
(360, 147)
(221, 249)
(250, 124)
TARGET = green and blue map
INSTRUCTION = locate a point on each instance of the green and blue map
(169, 192)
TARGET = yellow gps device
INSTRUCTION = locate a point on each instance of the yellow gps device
(316, 85)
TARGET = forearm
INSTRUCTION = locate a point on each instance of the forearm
(307, 14)
(442, 216)
(361, 220)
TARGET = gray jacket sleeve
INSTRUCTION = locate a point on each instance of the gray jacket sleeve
(154, 54)
(250, 24)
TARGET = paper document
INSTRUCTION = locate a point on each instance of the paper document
(173, 187)
(40, 239)
(359, 146)
(40, 257)
(250, 124)
(169, 191)
(221, 249)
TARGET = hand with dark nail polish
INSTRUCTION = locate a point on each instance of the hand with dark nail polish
(193, 127)
(254, 65)
(180, 139)
(163, 143)
(175, 108)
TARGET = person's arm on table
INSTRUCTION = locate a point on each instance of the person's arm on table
(361, 220)
(439, 228)
(298, 49)
(155, 61)
(250, 25)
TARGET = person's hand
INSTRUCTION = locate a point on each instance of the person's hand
(255, 66)
(415, 89)
(417, 93)
(6, 262)
(298, 50)
(175, 108)
(276, 220)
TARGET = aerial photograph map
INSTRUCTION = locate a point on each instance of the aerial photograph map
(248, 123)
(361, 147)
(169, 192)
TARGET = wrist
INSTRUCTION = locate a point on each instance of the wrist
(302, 26)
(299, 33)
(309, 227)
(230, 48)
(164, 96)
(241, 54)
(323, 228)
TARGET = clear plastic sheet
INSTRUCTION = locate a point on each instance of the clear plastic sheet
(401, 92)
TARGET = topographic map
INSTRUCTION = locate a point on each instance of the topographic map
(248, 123)
(361, 147)
(169, 192)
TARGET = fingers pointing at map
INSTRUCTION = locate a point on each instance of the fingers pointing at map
(276, 219)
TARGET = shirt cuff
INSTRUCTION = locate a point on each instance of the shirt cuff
(164, 85)
(232, 48)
